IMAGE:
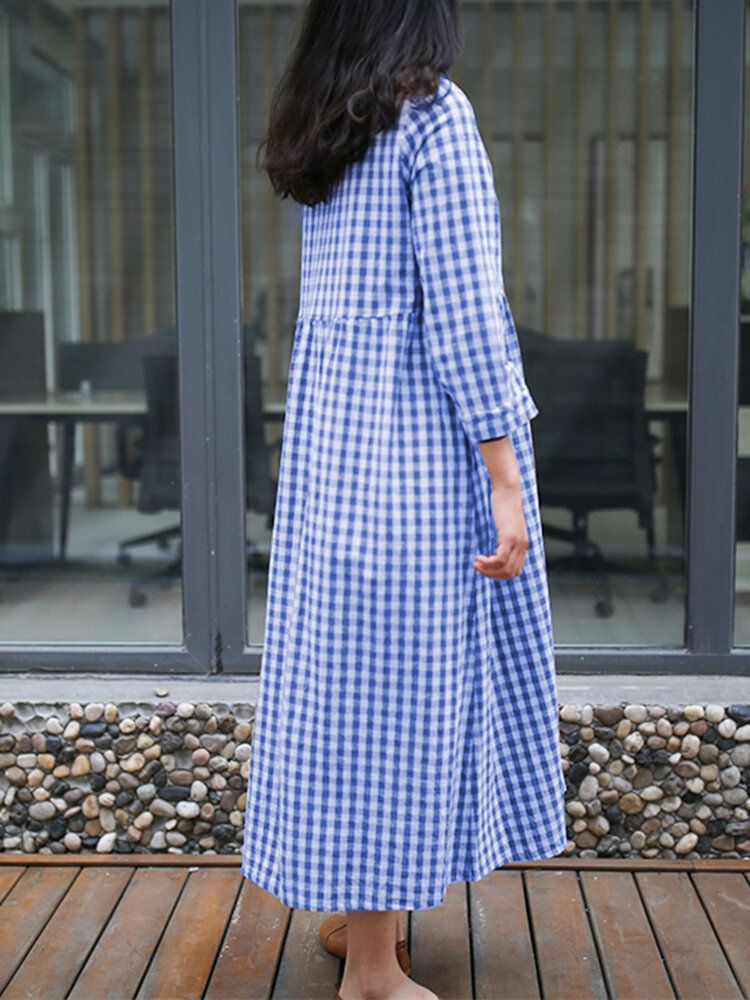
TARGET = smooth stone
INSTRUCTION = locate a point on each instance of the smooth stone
(72, 841)
(693, 712)
(42, 811)
(631, 803)
(161, 808)
(106, 843)
(133, 763)
(730, 776)
(727, 728)
(188, 809)
(636, 713)
(81, 765)
(686, 844)
(690, 745)
(570, 713)
(198, 791)
(652, 793)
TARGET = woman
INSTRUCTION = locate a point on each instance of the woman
(406, 731)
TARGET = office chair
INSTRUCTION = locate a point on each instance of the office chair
(592, 446)
(156, 462)
(260, 487)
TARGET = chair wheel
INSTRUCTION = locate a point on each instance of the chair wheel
(137, 598)
(604, 608)
(124, 558)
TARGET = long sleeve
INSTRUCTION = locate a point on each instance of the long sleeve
(455, 219)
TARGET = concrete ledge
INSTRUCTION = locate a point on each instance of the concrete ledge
(574, 688)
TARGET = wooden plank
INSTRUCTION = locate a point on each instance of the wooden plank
(252, 946)
(124, 950)
(622, 932)
(694, 957)
(25, 911)
(504, 965)
(726, 898)
(306, 969)
(51, 966)
(440, 948)
(566, 953)
(183, 961)
(8, 878)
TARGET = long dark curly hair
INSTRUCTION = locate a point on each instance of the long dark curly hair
(354, 63)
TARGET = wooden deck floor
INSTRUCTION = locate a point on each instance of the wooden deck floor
(147, 926)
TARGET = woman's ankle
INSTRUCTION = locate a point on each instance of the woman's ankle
(371, 981)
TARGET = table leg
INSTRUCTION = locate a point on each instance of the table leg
(66, 484)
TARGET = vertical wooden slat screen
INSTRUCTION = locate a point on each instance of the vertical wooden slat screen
(116, 275)
(273, 268)
(146, 154)
(674, 253)
(84, 235)
(298, 15)
(642, 177)
(580, 278)
(487, 96)
(551, 190)
(83, 174)
(516, 264)
(611, 136)
(247, 161)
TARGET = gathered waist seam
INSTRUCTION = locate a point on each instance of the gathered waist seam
(311, 314)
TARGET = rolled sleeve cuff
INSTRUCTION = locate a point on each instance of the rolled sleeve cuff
(503, 419)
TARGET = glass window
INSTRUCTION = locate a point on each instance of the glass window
(89, 462)
(586, 111)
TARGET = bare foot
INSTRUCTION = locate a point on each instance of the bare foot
(392, 987)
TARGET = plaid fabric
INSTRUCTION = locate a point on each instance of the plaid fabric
(406, 730)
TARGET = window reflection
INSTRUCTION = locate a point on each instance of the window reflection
(585, 108)
(89, 472)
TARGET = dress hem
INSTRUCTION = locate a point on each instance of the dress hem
(344, 904)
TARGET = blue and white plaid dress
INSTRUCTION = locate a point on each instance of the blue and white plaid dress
(406, 731)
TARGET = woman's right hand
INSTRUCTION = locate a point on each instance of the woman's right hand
(507, 508)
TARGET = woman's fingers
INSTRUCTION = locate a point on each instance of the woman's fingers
(506, 561)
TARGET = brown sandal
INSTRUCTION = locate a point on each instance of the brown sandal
(333, 939)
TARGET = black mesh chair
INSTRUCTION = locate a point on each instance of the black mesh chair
(592, 446)
(157, 466)
(260, 487)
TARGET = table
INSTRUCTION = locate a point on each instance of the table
(68, 408)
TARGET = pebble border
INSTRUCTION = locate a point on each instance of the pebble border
(646, 781)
